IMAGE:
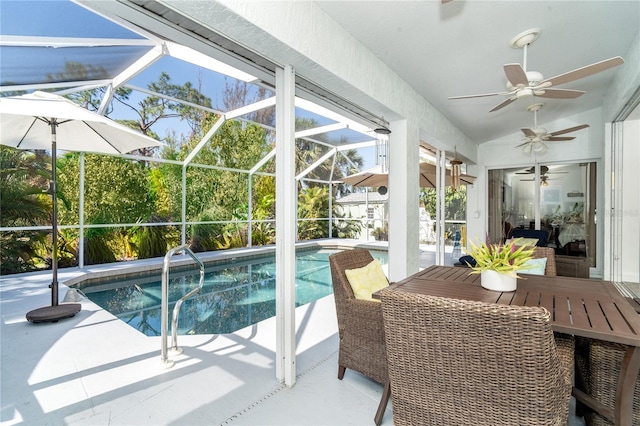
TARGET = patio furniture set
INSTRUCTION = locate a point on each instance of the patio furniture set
(452, 352)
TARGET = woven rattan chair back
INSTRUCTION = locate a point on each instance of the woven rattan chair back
(599, 372)
(360, 325)
(550, 254)
(456, 362)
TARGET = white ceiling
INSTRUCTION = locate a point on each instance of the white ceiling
(460, 47)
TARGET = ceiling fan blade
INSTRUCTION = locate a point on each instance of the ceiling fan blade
(530, 170)
(503, 104)
(518, 146)
(528, 132)
(559, 138)
(585, 71)
(478, 96)
(516, 75)
(560, 93)
(569, 130)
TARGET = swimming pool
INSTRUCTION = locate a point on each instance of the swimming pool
(236, 294)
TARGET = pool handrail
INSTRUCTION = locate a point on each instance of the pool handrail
(164, 309)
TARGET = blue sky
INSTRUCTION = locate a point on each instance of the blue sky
(56, 18)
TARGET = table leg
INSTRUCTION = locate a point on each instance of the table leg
(626, 385)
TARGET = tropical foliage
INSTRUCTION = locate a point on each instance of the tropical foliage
(502, 258)
(22, 203)
(455, 202)
(129, 192)
(455, 205)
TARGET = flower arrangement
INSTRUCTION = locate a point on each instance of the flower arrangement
(503, 258)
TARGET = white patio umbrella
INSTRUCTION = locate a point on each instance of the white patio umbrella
(37, 121)
(428, 177)
(374, 177)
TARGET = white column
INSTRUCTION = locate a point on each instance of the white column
(285, 226)
(441, 161)
(81, 215)
(183, 208)
(404, 250)
(250, 209)
(613, 230)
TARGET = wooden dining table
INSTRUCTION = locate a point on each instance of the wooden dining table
(581, 307)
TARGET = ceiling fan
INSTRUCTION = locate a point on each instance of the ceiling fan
(522, 83)
(531, 170)
(544, 180)
(537, 136)
(543, 171)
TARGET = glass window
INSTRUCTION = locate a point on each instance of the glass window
(370, 213)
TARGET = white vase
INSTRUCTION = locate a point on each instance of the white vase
(492, 280)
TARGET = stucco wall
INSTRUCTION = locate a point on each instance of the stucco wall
(627, 81)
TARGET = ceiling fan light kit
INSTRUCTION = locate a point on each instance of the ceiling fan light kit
(539, 147)
(536, 137)
(382, 128)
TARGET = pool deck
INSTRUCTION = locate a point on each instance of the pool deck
(93, 369)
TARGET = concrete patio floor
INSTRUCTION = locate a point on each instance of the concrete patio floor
(94, 369)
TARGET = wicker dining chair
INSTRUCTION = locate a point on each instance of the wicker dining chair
(360, 326)
(550, 254)
(454, 362)
(597, 370)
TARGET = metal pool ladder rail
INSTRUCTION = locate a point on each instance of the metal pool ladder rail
(164, 311)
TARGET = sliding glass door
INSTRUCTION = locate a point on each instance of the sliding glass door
(557, 198)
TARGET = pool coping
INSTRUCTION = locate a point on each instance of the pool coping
(130, 269)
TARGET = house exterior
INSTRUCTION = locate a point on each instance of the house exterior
(371, 208)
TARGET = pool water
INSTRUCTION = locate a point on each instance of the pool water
(234, 295)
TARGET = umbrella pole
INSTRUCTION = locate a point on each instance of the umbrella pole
(54, 218)
(55, 312)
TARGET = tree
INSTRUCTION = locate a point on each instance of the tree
(313, 204)
(455, 204)
(89, 99)
(238, 94)
(116, 191)
(308, 152)
(236, 145)
(23, 202)
(152, 109)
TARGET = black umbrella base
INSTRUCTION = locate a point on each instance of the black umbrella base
(53, 313)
